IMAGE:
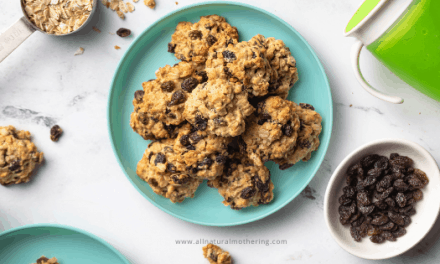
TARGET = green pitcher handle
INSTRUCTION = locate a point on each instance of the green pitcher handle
(355, 56)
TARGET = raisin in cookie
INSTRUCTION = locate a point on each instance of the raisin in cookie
(308, 136)
(158, 108)
(158, 167)
(18, 156)
(272, 133)
(191, 42)
(44, 260)
(284, 73)
(244, 63)
(244, 184)
(215, 255)
(200, 154)
(223, 104)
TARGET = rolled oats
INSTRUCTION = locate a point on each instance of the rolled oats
(130, 7)
(58, 16)
(150, 3)
(80, 51)
(120, 14)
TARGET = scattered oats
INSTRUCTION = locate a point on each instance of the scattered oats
(80, 51)
(58, 16)
(114, 5)
(120, 14)
(106, 3)
(135, 1)
(96, 29)
(123, 7)
(111, 33)
(351, 105)
(177, 3)
(117, 47)
(130, 7)
(150, 3)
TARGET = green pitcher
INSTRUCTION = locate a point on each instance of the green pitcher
(405, 36)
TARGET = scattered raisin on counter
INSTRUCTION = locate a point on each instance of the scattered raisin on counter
(380, 196)
(123, 32)
(55, 133)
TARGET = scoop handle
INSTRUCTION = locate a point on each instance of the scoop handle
(14, 36)
(355, 55)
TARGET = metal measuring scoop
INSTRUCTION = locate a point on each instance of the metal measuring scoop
(23, 28)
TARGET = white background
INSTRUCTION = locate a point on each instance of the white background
(82, 185)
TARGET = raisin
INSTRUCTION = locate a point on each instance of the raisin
(385, 194)
(349, 191)
(390, 202)
(160, 158)
(402, 161)
(202, 74)
(171, 47)
(380, 219)
(355, 217)
(406, 220)
(373, 230)
(263, 187)
(417, 195)
(139, 95)
(363, 198)
(388, 236)
(180, 179)
(201, 123)
(55, 133)
(213, 257)
(304, 144)
(177, 98)
(396, 218)
(171, 168)
(205, 162)
(344, 200)
(220, 159)
(358, 222)
(382, 163)
(184, 140)
(355, 170)
(14, 165)
(401, 231)
(123, 32)
(42, 260)
(378, 239)
(195, 137)
(190, 147)
(195, 34)
(355, 233)
(401, 199)
(287, 130)
(394, 155)
(247, 192)
(375, 172)
(380, 204)
(211, 40)
(167, 86)
(369, 160)
(229, 56)
(366, 210)
(388, 226)
(415, 183)
(189, 84)
(400, 185)
(306, 106)
(421, 176)
(370, 180)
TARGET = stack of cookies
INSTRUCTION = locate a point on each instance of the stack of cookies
(220, 114)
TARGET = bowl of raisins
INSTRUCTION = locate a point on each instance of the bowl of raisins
(383, 198)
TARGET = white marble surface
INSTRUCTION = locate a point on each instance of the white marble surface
(82, 185)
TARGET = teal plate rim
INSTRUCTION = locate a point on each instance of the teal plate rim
(329, 122)
(70, 228)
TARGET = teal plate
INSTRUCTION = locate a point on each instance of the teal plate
(149, 52)
(24, 245)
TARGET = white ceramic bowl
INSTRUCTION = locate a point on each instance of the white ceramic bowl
(427, 209)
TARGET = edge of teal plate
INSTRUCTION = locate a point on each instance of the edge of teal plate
(124, 57)
(71, 228)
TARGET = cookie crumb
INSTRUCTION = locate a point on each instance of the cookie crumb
(96, 29)
(80, 51)
(117, 47)
(351, 105)
(150, 3)
(44, 260)
(215, 255)
(55, 133)
(177, 3)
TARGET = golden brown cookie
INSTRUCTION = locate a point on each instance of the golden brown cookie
(18, 156)
(44, 260)
(243, 183)
(159, 168)
(272, 133)
(224, 105)
(215, 255)
(244, 63)
(284, 73)
(158, 108)
(192, 42)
